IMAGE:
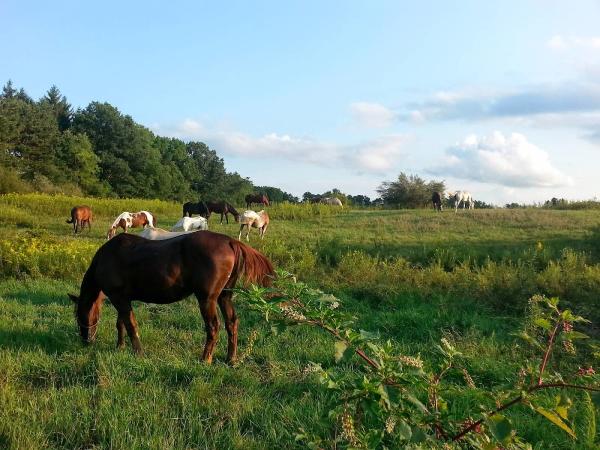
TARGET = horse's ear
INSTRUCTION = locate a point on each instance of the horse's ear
(74, 298)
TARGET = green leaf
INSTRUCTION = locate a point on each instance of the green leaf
(556, 420)
(543, 323)
(368, 335)
(563, 403)
(403, 430)
(500, 427)
(418, 435)
(572, 335)
(415, 401)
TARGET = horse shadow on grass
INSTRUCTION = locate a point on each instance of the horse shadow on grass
(50, 342)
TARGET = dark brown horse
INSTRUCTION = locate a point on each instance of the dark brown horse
(80, 215)
(129, 267)
(436, 199)
(224, 208)
(256, 198)
(190, 208)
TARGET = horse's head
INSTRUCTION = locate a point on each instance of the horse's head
(109, 235)
(87, 315)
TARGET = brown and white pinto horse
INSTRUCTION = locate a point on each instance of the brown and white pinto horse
(256, 198)
(80, 215)
(203, 263)
(127, 220)
(252, 219)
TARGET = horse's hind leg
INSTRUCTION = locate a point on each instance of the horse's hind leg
(208, 308)
(231, 323)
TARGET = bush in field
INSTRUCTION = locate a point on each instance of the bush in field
(385, 399)
(36, 254)
(295, 211)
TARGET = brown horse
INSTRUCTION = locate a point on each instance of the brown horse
(224, 208)
(256, 198)
(203, 263)
(80, 215)
(127, 220)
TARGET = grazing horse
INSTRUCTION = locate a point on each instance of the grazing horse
(224, 208)
(190, 223)
(158, 234)
(80, 215)
(127, 220)
(436, 199)
(333, 201)
(256, 198)
(462, 196)
(190, 208)
(206, 264)
(251, 219)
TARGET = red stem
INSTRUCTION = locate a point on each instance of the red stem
(517, 400)
(547, 353)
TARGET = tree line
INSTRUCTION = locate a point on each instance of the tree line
(47, 146)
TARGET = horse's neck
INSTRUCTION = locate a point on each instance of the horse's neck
(118, 219)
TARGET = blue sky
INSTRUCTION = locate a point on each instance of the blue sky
(502, 99)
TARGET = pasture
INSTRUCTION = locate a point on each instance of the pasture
(414, 275)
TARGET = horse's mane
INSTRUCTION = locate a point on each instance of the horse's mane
(119, 217)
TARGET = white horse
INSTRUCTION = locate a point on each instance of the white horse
(158, 234)
(251, 219)
(191, 223)
(333, 201)
(462, 196)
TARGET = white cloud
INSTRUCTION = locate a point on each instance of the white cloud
(376, 156)
(373, 115)
(559, 42)
(510, 161)
(381, 154)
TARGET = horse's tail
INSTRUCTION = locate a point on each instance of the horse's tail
(253, 265)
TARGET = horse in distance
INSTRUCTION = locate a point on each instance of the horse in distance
(80, 215)
(333, 201)
(462, 196)
(436, 199)
(200, 208)
(259, 199)
(224, 208)
(206, 264)
(251, 219)
(127, 220)
(190, 223)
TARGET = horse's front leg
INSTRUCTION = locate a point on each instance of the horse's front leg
(127, 317)
(240, 235)
(120, 333)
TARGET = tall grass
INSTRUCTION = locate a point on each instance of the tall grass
(413, 275)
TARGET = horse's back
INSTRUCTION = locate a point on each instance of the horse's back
(161, 271)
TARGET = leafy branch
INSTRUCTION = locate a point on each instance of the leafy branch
(382, 402)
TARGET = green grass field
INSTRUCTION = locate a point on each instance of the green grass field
(414, 276)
